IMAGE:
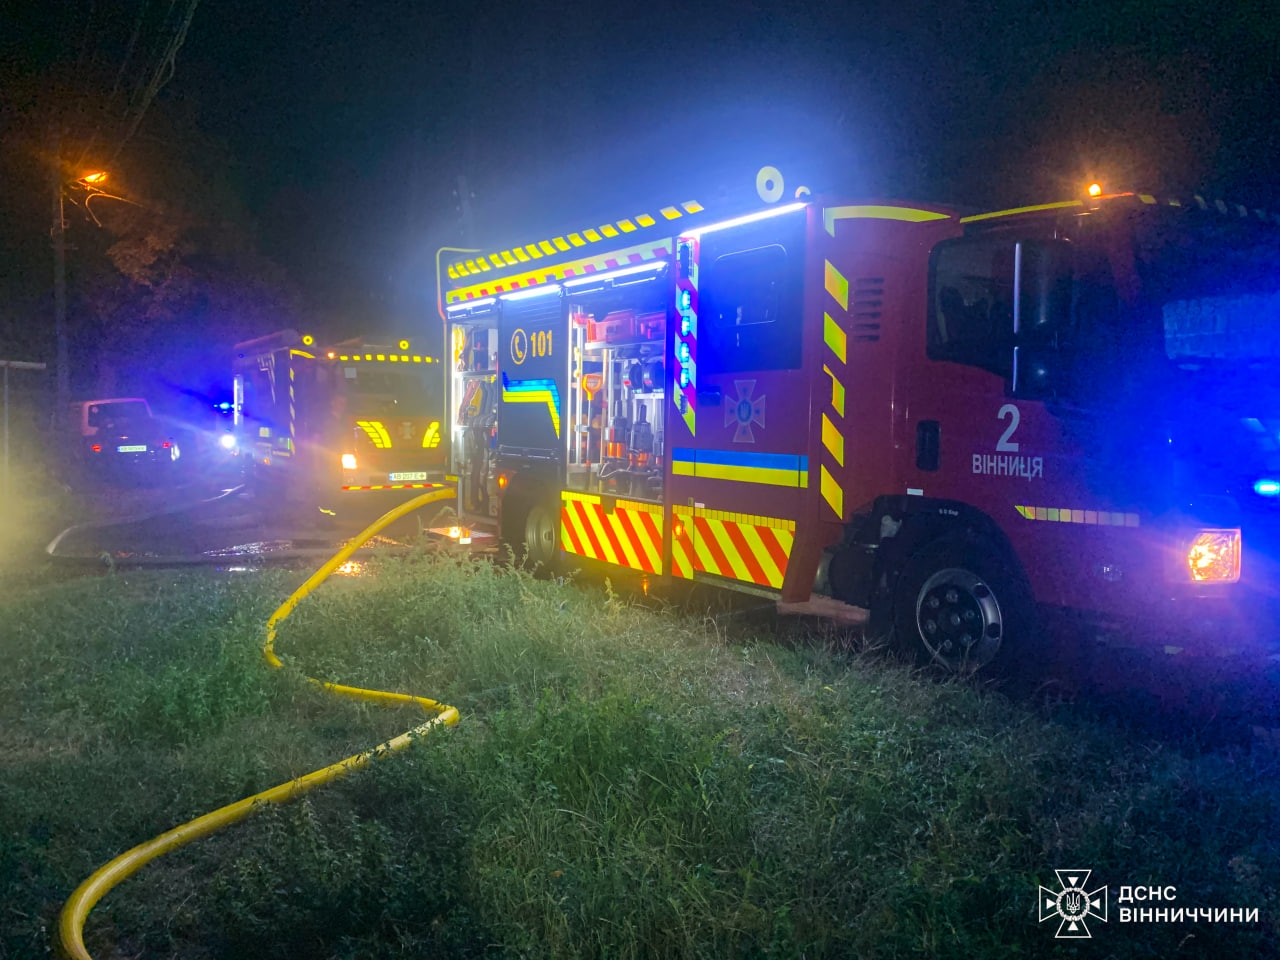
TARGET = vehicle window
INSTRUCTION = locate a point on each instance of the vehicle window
(1213, 280)
(750, 315)
(115, 414)
(971, 303)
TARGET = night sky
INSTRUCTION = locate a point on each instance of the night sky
(343, 126)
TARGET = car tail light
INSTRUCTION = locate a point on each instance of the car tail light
(96, 448)
(165, 444)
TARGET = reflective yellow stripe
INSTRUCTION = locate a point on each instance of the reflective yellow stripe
(591, 235)
(561, 244)
(669, 212)
(645, 220)
(649, 252)
(833, 440)
(1009, 213)
(376, 432)
(722, 471)
(1101, 518)
(576, 240)
(909, 214)
(832, 492)
(837, 388)
(833, 336)
(837, 285)
(692, 207)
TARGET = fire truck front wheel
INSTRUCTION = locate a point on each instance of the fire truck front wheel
(957, 608)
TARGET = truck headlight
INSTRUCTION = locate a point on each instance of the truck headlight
(348, 461)
(1214, 556)
(227, 441)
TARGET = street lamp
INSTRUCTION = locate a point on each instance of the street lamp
(59, 234)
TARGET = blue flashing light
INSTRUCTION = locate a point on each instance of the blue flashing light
(685, 326)
(684, 378)
(686, 299)
(683, 353)
(1267, 488)
(223, 406)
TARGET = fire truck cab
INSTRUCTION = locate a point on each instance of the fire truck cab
(953, 421)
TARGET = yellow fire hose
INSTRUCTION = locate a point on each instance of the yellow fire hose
(76, 910)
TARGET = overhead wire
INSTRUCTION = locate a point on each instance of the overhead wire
(165, 68)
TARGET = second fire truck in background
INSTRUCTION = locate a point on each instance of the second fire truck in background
(323, 424)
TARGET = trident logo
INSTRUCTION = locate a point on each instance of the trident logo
(1073, 903)
(744, 411)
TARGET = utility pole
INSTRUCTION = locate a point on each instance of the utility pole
(59, 235)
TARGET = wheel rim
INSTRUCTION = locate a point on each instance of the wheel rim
(540, 535)
(958, 619)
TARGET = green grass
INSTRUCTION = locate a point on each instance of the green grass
(625, 782)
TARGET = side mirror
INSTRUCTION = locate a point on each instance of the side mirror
(1043, 276)
(1037, 371)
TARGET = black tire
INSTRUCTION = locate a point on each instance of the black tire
(959, 608)
(531, 531)
(541, 537)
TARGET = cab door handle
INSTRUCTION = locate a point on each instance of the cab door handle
(710, 396)
(928, 445)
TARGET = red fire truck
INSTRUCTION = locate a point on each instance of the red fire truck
(956, 421)
(324, 424)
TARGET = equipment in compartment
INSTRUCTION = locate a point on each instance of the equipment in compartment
(476, 418)
(625, 326)
(619, 382)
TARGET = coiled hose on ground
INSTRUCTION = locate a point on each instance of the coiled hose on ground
(76, 910)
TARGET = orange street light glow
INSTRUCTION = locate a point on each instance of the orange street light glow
(1095, 189)
(98, 176)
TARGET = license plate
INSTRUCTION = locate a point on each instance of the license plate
(412, 475)
(132, 448)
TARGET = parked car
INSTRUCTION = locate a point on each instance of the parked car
(120, 439)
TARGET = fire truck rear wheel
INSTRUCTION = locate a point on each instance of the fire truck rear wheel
(956, 608)
(541, 537)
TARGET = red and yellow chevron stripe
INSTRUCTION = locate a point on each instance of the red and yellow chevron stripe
(629, 535)
(733, 545)
(642, 253)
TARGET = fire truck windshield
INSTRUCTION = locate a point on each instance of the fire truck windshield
(408, 387)
(1215, 282)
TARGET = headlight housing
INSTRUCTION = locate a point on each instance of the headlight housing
(1213, 556)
